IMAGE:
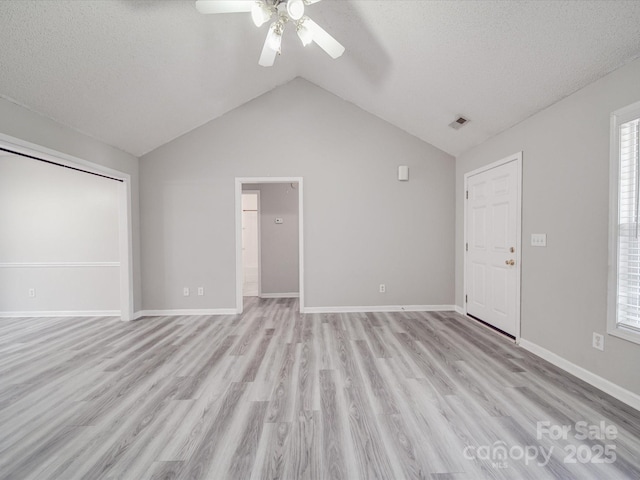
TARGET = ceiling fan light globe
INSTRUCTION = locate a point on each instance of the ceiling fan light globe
(260, 13)
(295, 9)
(275, 38)
(305, 35)
(276, 43)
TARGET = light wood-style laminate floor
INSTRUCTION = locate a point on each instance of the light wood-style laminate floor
(272, 394)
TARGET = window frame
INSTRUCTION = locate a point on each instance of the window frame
(619, 117)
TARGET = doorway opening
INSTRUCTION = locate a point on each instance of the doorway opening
(269, 238)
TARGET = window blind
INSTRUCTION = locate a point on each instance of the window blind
(628, 292)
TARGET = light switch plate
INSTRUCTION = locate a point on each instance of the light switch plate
(538, 239)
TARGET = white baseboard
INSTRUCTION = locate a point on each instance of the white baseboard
(280, 295)
(62, 313)
(381, 308)
(616, 391)
(459, 310)
(184, 311)
(58, 264)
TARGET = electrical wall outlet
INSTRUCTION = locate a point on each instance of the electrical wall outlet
(32, 293)
(598, 341)
(200, 291)
(383, 288)
(185, 291)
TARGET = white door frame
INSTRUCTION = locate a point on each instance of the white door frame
(256, 192)
(517, 158)
(238, 193)
(125, 237)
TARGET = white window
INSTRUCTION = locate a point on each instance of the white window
(624, 260)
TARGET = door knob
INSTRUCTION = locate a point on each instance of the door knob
(510, 262)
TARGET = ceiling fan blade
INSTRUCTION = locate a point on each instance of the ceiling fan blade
(309, 2)
(323, 39)
(268, 55)
(224, 6)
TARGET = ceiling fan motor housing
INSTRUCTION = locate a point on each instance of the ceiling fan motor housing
(295, 9)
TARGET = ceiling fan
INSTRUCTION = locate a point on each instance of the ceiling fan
(283, 12)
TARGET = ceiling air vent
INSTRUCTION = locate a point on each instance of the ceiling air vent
(459, 122)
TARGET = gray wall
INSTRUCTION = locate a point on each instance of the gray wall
(279, 242)
(565, 195)
(18, 122)
(66, 223)
(362, 226)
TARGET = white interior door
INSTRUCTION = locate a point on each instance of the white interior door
(250, 245)
(492, 261)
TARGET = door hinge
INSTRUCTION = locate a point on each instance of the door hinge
(466, 300)
(466, 247)
(467, 194)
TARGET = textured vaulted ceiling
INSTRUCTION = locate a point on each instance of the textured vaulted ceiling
(137, 74)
